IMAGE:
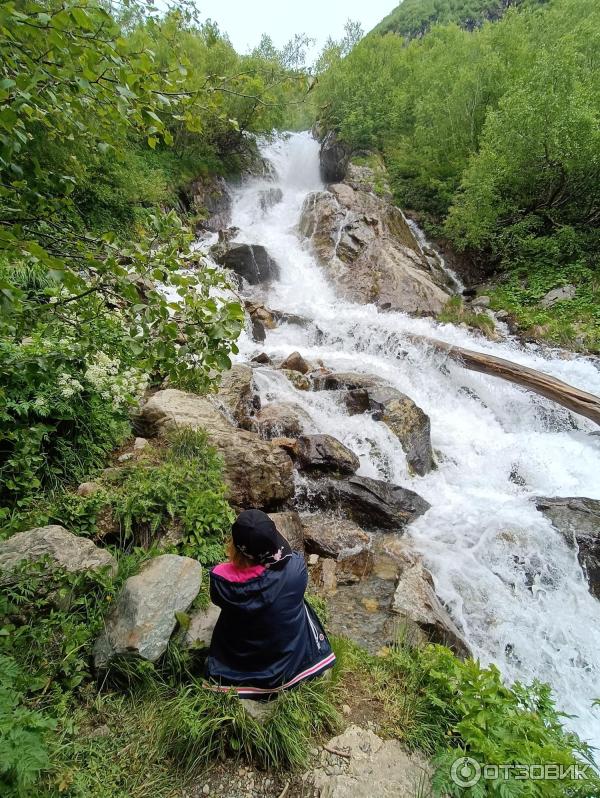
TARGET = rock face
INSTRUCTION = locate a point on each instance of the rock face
(578, 520)
(372, 502)
(238, 395)
(202, 624)
(369, 251)
(68, 551)
(281, 420)
(289, 524)
(408, 423)
(333, 158)
(325, 453)
(143, 619)
(211, 199)
(258, 473)
(415, 600)
(341, 540)
(369, 767)
(252, 262)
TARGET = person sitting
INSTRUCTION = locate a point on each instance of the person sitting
(267, 638)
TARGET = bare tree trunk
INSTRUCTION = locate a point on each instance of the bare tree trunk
(586, 404)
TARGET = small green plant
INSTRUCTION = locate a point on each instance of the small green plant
(456, 312)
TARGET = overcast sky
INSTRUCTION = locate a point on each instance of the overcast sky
(245, 21)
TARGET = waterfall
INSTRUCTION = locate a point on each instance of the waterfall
(506, 575)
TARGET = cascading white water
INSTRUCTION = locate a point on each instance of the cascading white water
(509, 579)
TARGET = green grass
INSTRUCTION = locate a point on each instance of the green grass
(456, 312)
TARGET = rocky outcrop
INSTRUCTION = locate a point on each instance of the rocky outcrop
(373, 503)
(369, 251)
(325, 453)
(281, 420)
(341, 540)
(144, 616)
(289, 524)
(202, 623)
(359, 764)
(334, 157)
(210, 198)
(252, 262)
(237, 394)
(408, 423)
(258, 473)
(64, 549)
(578, 520)
(416, 602)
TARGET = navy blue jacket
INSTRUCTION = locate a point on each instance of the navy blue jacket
(267, 638)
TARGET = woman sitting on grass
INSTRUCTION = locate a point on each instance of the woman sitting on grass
(267, 638)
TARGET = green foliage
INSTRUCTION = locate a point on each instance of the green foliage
(455, 312)
(24, 753)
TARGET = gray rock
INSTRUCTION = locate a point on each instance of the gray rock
(238, 394)
(250, 261)
(281, 420)
(344, 380)
(558, 295)
(139, 444)
(295, 362)
(269, 197)
(202, 623)
(578, 520)
(325, 453)
(373, 503)
(481, 302)
(143, 618)
(87, 489)
(369, 767)
(261, 711)
(415, 600)
(68, 551)
(342, 540)
(258, 473)
(289, 524)
(210, 197)
(333, 158)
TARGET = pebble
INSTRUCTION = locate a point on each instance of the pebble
(346, 709)
(125, 457)
(206, 789)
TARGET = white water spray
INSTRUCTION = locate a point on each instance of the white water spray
(508, 578)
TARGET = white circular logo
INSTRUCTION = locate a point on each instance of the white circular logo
(465, 772)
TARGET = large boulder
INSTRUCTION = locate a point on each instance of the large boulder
(325, 453)
(289, 524)
(359, 764)
(578, 520)
(408, 423)
(416, 602)
(369, 251)
(144, 616)
(281, 420)
(258, 473)
(252, 262)
(66, 550)
(238, 395)
(371, 502)
(344, 381)
(333, 158)
(342, 540)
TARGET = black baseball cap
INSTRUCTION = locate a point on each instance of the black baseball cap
(257, 538)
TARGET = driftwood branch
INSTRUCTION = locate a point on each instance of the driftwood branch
(581, 402)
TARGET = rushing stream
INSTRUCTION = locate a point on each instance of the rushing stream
(510, 581)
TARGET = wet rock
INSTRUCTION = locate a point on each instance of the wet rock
(325, 453)
(558, 295)
(258, 331)
(263, 359)
(373, 503)
(262, 314)
(333, 158)
(369, 766)
(269, 197)
(144, 616)
(210, 198)
(408, 423)
(369, 251)
(300, 381)
(87, 489)
(257, 473)
(415, 600)
(342, 540)
(295, 362)
(252, 262)
(200, 630)
(344, 380)
(289, 524)
(578, 520)
(66, 550)
(238, 394)
(281, 419)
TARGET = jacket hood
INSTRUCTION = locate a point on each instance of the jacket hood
(257, 593)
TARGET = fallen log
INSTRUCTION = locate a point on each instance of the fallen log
(581, 402)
